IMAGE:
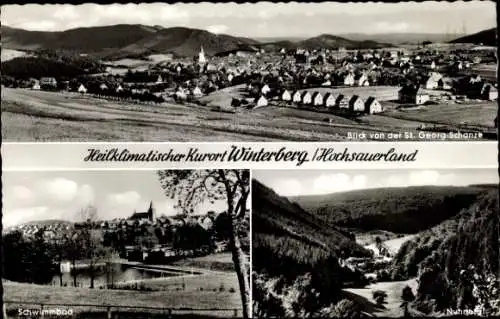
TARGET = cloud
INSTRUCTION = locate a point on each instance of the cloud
(126, 198)
(288, 187)
(60, 189)
(17, 216)
(41, 25)
(217, 29)
(22, 193)
(66, 13)
(423, 178)
(85, 195)
(330, 183)
(384, 26)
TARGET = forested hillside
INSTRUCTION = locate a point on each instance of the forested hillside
(296, 258)
(399, 210)
(455, 258)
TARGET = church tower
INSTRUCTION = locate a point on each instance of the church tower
(151, 211)
(201, 57)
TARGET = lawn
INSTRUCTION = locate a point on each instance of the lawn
(220, 262)
(191, 297)
(29, 116)
(393, 289)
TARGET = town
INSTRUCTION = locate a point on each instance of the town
(436, 87)
(118, 255)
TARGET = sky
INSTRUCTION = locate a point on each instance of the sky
(311, 182)
(31, 196)
(265, 19)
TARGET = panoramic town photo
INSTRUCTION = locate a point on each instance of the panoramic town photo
(126, 244)
(249, 72)
(375, 243)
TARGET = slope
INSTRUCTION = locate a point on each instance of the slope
(443, 255)
(400, 210)
(486, 37)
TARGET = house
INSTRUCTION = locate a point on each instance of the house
(36, 86)
(445, 83)
(329, 100)
(265, 89)
(82, 89)
(286, 96)
(362, 80)
(148, 215)
(326, 83)
(48, 81)
(119, 88)
(306, 98)
(372, 106)
(181, 93)
(261, 101)
(421, 97)
(356, 104)
(433, 65)
(407, 94)
(489, 92)
(297, 97)
(342, 102)
(433, 81)
(230, 77)
(349, 79)
(475, 79)
(197, 91)
(317, 99)
(103, 86)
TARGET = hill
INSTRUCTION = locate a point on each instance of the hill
(275, 216)
(294, 258)
(399, 210)
(486, 37)
(83, 40)
(133, 40)
(446, 255)
(118, 41)
(329, 41)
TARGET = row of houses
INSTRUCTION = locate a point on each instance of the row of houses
(329, 101)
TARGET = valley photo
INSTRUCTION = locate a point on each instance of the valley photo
(126, 244)
(375, 243)
(249, 72)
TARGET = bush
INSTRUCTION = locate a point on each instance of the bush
(380, 297)
(232, 290)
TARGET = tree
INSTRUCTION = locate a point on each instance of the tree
(380, 297)
(407, 296)
(193, 187)
(93, 249)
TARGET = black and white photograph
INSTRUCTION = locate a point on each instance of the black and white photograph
(252, 72)
(375, 243)
(126, 244)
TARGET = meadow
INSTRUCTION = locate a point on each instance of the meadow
(29, 116)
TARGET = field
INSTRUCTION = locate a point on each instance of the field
(474, 113)
(123, 298)
(393, 290)
(221, 262)
(45, 116)
(392, 245)
(8, 54)
(209, 290)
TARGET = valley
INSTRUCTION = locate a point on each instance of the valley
(406, 250)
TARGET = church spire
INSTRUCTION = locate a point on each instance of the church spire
(151, 211)
(201, 56)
